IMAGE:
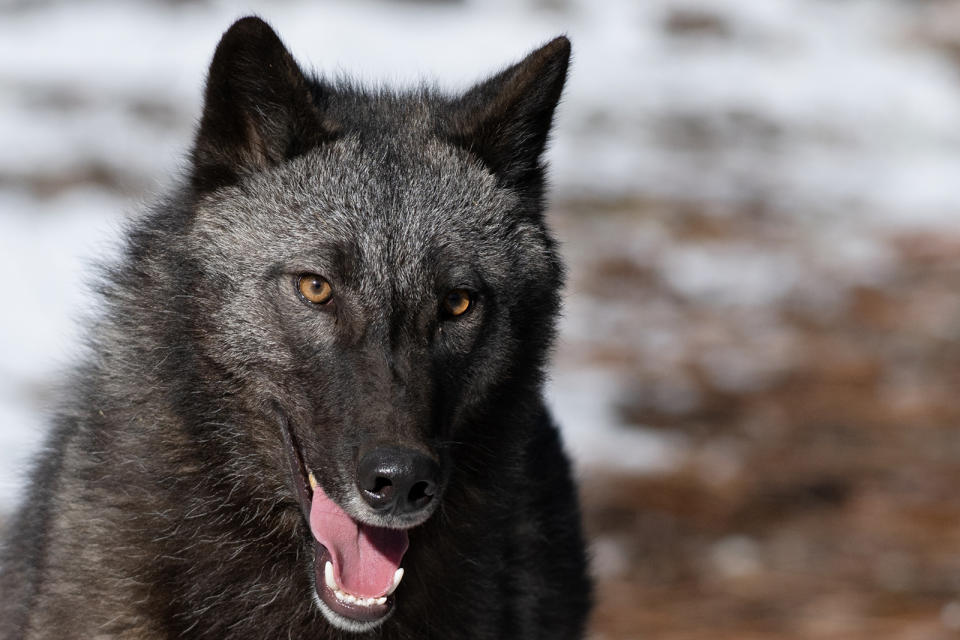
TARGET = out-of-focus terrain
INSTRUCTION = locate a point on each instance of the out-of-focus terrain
(760, 206)
(813, 423)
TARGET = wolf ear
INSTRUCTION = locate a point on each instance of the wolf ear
(506, 120)
(258, 108)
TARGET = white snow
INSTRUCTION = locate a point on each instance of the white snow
(584, 404)
(46, 249)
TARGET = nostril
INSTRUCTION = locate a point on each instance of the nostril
(383, 487)
(420, 493)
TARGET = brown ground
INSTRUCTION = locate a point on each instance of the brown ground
(817, 491)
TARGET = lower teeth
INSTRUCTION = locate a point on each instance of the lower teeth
(349, 598)
(352, 599)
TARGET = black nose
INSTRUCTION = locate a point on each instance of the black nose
(398, 481)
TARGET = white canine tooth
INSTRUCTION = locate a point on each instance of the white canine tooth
(313, 481)
(328, 576)
(397, 577)
(352, 599)
(381, 600)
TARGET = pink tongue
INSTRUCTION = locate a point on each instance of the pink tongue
(364, 558)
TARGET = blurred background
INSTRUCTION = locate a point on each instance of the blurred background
(759, 201)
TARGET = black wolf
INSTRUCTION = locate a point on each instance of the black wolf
(313, 407)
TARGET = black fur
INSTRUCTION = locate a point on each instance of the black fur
(164, 505)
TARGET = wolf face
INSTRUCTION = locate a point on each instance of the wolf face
(368, 271)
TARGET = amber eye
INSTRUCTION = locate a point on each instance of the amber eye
(457, 302)
(314, 288)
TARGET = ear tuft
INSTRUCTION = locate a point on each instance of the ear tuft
(506, 120)
(258, 107)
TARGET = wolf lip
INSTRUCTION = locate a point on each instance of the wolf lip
(298, 471)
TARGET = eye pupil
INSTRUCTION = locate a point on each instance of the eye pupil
(314, 288)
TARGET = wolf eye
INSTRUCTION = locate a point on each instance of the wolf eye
(457, 302)
(314, 288)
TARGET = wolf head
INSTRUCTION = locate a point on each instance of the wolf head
(373, 286)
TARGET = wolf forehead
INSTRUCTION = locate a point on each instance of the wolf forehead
(393, 203)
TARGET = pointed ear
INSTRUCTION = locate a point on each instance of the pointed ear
(506, 120)
(258, 108)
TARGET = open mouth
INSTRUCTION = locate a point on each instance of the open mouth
(356, 566)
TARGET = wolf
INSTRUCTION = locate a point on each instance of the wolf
(312, 404)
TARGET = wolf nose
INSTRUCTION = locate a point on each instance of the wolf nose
(395, 480)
